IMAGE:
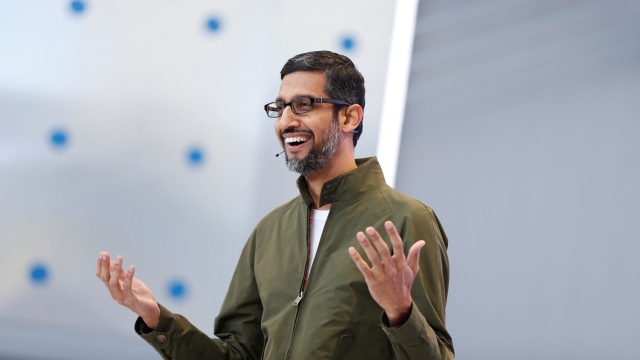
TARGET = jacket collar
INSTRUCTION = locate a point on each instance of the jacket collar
(349, 186)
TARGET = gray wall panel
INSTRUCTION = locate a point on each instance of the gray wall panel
(521, 131)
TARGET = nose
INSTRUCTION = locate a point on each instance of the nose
(288, 118)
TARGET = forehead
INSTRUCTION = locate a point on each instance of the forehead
(302, 83)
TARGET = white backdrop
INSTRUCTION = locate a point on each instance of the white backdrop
(136, 127)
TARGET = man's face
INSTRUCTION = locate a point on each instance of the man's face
(309, 139)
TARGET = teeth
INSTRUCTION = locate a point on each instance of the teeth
(295, 139)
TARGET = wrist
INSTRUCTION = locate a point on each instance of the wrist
(399, 317)
(152, 319)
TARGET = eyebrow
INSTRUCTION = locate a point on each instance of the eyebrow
(298, 96)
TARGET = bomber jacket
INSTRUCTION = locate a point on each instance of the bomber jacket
(271, 312)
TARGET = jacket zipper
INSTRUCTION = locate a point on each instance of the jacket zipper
(303, 284)
(297, 300)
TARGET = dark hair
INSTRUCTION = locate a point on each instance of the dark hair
(344, 81)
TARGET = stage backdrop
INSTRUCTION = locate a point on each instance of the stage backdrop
(136, 127)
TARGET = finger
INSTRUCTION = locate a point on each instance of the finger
(127, 283)
(396, 241)
(371, 253)
(114, 283)
(414, 256)
(359, 261)
(105, 271)
(99, 266)
(380, 245)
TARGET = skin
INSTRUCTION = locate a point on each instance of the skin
(128, 290)
(388, 277)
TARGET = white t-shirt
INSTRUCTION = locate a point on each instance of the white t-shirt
(318, 219)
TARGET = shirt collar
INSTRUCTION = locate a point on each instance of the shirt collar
(348, 186)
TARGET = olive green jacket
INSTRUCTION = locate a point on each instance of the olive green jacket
(336, 317)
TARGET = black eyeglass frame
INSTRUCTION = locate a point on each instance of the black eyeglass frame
(290, 103)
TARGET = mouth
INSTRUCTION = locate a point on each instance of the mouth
(295, 141)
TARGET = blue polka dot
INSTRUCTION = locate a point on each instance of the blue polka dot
(39, 274)
(214, 24)
(177, 289)
(77, 6)
(348, 43)
(195, 156)
(59, 138)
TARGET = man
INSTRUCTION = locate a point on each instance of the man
(295, 293)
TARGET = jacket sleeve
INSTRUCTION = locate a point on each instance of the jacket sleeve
(424, 335)
(237, 326)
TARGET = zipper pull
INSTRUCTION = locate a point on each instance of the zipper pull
(298, 299)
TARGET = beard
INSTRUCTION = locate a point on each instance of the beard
(317, 157)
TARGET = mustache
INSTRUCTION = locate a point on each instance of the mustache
(288, 131)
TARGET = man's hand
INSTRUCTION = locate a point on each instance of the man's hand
(390, 277)
(128, 290)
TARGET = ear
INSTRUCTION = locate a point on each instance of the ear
(351, 118)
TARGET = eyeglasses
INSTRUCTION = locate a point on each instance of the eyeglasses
(299, 105)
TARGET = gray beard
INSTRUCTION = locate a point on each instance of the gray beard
(317, 159)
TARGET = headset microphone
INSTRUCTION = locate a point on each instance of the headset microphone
(278, 154)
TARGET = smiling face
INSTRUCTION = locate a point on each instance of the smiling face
(311, 139)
